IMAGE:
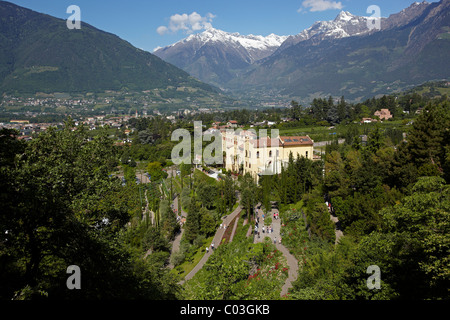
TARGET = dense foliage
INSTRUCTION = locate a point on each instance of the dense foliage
(240, 270)
(393, 205)
(40, 54)
(61, 208)
(62, 205)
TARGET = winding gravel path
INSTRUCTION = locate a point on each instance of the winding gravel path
(275, 236)
(176, 242)
(217, 239)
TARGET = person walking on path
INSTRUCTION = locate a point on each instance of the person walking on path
(217, 238)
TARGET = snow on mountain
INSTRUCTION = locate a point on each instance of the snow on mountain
(348, 25)
(215, 56)
(344, 16)
(344, 25)
(257, 46)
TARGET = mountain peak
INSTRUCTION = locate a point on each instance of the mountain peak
(206, 35)
(415, 5)
(205, 54)
(419, 3)
(249, 42)
(344, 16)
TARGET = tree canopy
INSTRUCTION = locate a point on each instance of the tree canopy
(60, 207)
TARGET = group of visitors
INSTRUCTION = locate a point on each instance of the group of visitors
(212, 248)
(268, 229)
(265, 229)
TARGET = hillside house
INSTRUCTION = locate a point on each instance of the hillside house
(383, 114)
(232, 124)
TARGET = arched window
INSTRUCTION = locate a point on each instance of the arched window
(270, 154)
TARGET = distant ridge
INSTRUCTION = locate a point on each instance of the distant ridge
(38, 53)
(341, 57)
(216, 56)
(412, 47)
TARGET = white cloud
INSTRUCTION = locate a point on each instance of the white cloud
(321, 5)
(162, 30)
(188, 23)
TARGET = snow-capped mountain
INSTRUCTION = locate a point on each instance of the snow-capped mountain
(349, 25)
(258, 47)
(235, 61)
(345, 25)
(215, 55)
(341, 57)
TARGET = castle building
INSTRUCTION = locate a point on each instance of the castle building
(245, 152)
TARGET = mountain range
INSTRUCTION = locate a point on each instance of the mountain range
(38, 53)
(216, 57)
(342, 57)
(338, 57)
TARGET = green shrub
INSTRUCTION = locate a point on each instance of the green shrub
(177, 258)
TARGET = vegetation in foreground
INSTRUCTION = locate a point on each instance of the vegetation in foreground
(60, 207)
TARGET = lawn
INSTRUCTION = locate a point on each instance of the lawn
(200, 176)
(183, 269)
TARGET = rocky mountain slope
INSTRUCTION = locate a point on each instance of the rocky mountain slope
(338, 57)
(216, 56)
(412, 47)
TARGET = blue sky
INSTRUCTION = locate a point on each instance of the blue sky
(138, 21)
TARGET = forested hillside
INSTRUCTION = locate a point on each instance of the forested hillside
(391, 197)
(40, 54)
(392, 201)
(63, 204)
